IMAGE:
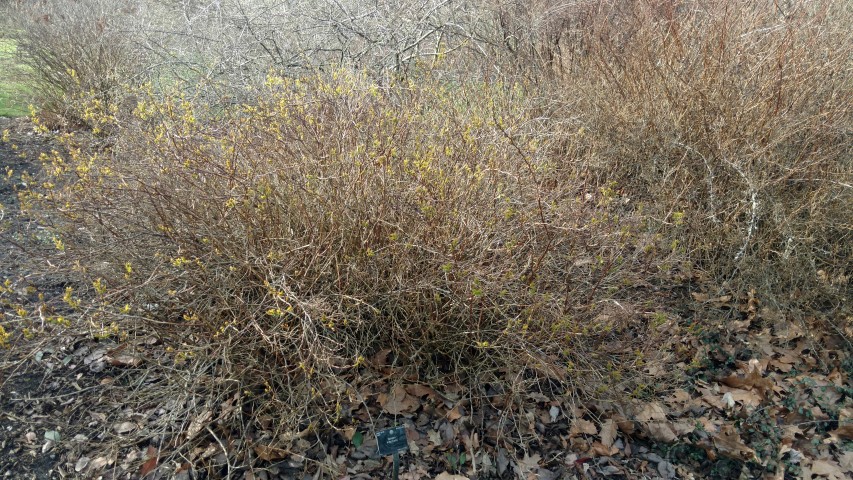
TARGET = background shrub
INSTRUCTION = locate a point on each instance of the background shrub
(733, 116)
(70, 51)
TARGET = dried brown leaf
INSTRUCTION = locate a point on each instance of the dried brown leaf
(148, 466)
(745, 397)
(608, 433)
(419, 390)
(828, 469)
(198, 423)
(581, 426)
(269, 453)
(124, 360)
(449, 476)
(381, 357)
(845, 461)
(600, 450)
(729, 444)
(843, 432)
(398, 401)
(625, 426)
(752, 380)
(660, 431)
(683, 427)
(527, 465)
(98, 464)
(455, 413)
(124, 427)
(652, 411)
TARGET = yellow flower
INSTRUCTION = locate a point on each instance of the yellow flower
(4, 337)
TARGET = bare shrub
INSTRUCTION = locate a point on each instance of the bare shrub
(734, 118)
(331, 220)
(232, 44)
(72, 51)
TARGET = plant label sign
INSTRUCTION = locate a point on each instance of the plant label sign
(391, 440)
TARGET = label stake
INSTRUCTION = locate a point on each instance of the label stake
(392, 441)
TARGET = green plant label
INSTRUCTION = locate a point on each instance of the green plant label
(391, 440)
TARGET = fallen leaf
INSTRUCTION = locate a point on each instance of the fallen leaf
(608, 433)
(503, 461)
(149, 464)
(845, 460)
(730, 445)
(448, 476)
(683, 427)
(653, 421)
(747, 398)
(455, 413)
(199, 422)
(527, 465)
(666, 470)
(828, 469)
(600, 450)
(625, 426)
(581, 426)
(81, 464)
(843, 432)
(98, 416)
(660, 431)
(712, 398)
(679, 397)
(51, 436)
(419, 390)
(124, 360)
(124, 427)
(652, 411)
(752, 380)
(398, 401)
(98, 463)
(381, 357)
(448, 433)
(700, 297)
(357, 439)
(269, 453)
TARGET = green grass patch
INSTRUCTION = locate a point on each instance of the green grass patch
(13, 93)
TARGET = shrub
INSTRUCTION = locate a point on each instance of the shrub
(71, 51)
(734, 120)
(332, 220)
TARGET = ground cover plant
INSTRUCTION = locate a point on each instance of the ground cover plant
(553, 237)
